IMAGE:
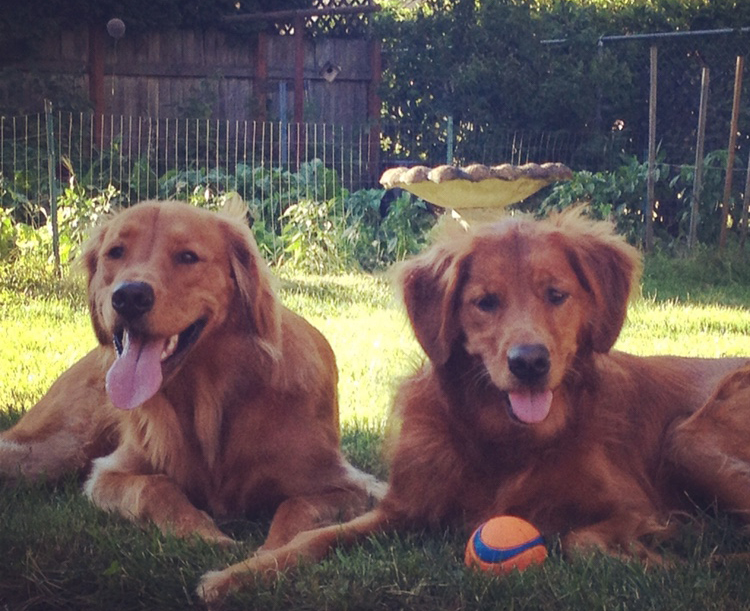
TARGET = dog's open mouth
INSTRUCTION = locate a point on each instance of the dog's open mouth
(530, 406)
(143, 362)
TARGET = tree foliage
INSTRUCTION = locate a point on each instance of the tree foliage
(541, 65)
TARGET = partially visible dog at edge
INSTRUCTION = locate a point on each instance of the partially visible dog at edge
(522, 407)
(205, 397)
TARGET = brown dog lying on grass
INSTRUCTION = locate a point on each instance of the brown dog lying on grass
(523, 409)
(225, 402)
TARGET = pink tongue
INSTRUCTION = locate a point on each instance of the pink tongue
(530, 407)
(135, 376)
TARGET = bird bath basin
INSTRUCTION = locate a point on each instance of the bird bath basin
(476, 192)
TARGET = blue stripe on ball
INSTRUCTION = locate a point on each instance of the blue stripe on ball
(487, 553)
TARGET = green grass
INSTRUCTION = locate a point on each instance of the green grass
(59, 552)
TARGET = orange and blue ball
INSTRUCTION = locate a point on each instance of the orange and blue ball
(505, 543)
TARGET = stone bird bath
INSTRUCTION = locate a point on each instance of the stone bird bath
(476, 192)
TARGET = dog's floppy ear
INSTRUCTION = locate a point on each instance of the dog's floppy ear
(608, 268)
(429, 286)
(261, 309)
(87, 262)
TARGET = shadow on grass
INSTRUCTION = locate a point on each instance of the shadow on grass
(338, 291)
(706, 277)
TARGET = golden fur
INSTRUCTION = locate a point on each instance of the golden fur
(522, 408)
(229, 399)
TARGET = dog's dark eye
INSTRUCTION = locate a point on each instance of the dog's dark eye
(187, 257)
(556, 297)
(488, 303)
(116, 252)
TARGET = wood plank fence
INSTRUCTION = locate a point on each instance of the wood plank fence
(214, 74)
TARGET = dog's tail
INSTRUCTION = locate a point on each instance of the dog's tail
(307, 546)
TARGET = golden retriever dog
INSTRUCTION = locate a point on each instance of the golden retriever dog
(522, 407)
(205, 398)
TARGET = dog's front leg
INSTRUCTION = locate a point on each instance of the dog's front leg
(148, 497)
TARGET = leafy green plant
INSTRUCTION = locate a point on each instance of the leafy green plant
(621, 195)
(142, 181)
(80, 207)
(197, 186)
(312, 237)
(13, 195)
(381, 237)
(712, 193)
(303, 219)
(7, 234)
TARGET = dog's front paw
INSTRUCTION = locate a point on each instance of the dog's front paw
(214, 586)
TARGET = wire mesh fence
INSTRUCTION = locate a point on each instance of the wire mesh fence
(144, 157)
(682, 60)
(147, 157)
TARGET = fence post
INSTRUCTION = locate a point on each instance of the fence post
(701, 140)
(745, 204)
(96, 77)
(49, 121)
(732, 150)
(449, 141)
(649, 237)
(283, 125)
(299, 68)
(373, 112)
(260, 83)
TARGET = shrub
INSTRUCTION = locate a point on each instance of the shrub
(621, 195)
(313, 237)
(380, 234)
(303, 219)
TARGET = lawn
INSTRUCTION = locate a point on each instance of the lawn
(59, 552)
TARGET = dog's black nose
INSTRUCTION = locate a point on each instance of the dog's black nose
(529, 362)
(133, 299)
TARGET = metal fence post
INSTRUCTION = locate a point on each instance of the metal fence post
(49, 120)
(283, 123)
(649, 234)
(699, 145)
(745, 204)
(449, 141)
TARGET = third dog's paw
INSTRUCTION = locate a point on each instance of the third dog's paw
(214, 586)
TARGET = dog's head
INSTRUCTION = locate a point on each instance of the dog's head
(526, 298)
(163, 277)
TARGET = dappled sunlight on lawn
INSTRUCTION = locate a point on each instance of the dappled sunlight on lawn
(364, 323)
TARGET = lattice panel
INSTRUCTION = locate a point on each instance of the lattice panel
(344, 25)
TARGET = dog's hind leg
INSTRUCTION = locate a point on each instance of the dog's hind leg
(307, 546)
(711, 449)
(296, 514)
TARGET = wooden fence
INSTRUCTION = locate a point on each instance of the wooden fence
(215, 74)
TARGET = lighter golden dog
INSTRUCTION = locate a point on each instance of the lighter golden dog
(205, 398)
(522, 408)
